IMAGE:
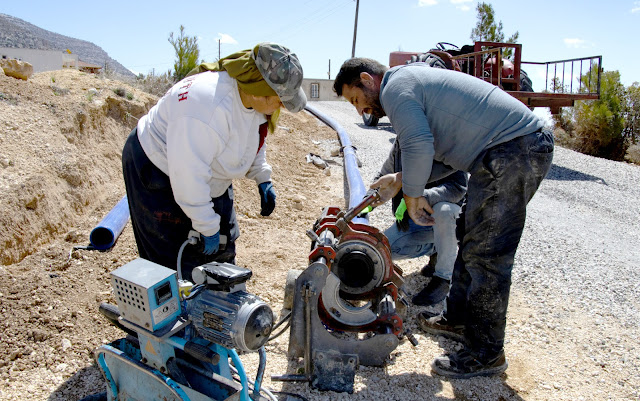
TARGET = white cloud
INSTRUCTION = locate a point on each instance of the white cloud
(575, 43)
(461, 4)
(636, 7)
(226, 39)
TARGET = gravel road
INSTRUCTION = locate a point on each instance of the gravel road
(574, 315)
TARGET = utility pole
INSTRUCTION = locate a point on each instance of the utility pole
(329, 69)
(355, 30)
(218, 49)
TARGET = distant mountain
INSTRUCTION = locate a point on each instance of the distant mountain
(15, 32)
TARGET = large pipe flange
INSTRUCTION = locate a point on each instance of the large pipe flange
(359, 267)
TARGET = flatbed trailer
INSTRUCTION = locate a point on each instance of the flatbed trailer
(566, 81)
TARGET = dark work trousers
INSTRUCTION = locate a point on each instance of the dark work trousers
(503, 180)
(159, 224)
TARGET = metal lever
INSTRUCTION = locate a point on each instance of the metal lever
(412, 339)
(371, 196)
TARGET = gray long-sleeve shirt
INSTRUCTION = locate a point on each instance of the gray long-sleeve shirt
(447, 116)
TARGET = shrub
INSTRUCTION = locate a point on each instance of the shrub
(596, 127)
(156, 85)
(633, 154)
(59, 91)
(9, 99)
(566, 139)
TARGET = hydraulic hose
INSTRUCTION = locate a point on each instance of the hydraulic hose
(355, 185)
(261, 366)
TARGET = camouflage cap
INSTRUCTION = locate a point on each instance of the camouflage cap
(283, 72)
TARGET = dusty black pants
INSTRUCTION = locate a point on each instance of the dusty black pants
(503, 181)
(159, 224)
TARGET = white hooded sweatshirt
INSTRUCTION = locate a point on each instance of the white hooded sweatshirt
(201, 135)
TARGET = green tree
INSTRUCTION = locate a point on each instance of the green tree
(632, 113)
(632, 123)
(487, 30)
(187, 54)
(599, 124)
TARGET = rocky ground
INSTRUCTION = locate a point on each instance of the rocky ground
(573, 320)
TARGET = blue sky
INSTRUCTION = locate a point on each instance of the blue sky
(321, 32)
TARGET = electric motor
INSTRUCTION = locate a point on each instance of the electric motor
(232, 319)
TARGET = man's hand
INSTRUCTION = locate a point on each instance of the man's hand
(419, 210)
(388, 186)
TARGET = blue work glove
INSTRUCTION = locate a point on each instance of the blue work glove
(267, 198)
(211, 244)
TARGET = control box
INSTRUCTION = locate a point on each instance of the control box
(146, 293)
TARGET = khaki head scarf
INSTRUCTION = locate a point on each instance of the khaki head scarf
(242, 67)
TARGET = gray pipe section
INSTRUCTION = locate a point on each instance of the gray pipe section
(105, 234)
(355, 185)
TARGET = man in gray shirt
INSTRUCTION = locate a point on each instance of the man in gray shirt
(475, 127)
(445, 193)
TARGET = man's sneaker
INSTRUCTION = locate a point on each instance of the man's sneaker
(430, 268)
(427, 270)
(434, 292)
(463, 365)
(438, 326)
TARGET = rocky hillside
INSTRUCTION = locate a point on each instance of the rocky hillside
(15, 32)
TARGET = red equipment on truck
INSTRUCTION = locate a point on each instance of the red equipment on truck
(565, 80)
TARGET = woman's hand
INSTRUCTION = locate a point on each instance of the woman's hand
(388, 186)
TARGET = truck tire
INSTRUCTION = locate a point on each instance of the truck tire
(370, 120)
(525, 82)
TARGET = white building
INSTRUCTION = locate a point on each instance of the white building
(318, 89)
(42, 60)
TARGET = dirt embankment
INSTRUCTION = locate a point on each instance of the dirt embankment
(60, 144)
(61, 138)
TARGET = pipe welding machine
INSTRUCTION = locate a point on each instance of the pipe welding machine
(350, 288)
(182, 334)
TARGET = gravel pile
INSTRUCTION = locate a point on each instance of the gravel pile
(574, 314)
